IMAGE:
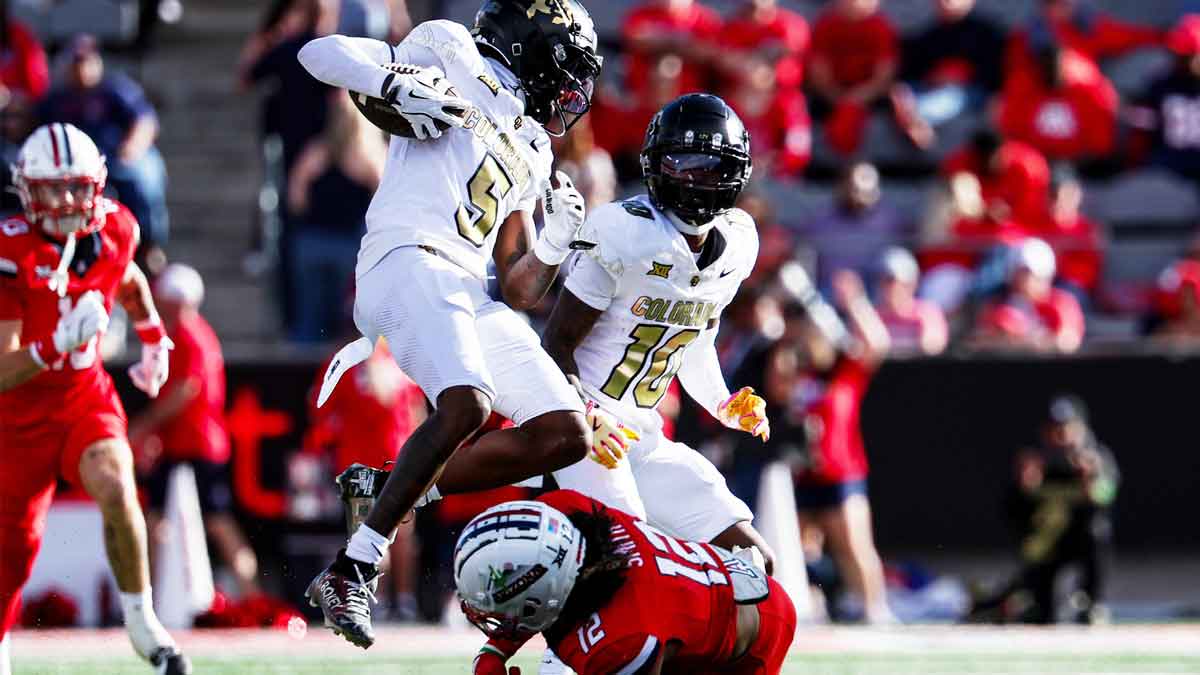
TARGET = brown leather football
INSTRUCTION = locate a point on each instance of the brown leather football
(385, 116)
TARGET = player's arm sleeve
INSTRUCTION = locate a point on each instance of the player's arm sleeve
(591, 282)
(700, 374)
(356, 63)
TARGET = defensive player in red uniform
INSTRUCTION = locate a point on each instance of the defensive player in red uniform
(62, 265)
(611, 594)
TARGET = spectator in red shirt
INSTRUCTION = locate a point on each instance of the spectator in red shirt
(1075, 238)
(1033, 314)
(1014, 178)
(23, 69)
(185, 425)
(684, 28)
(776, 117)
(1076, 25)
(1178, 305)
(1066, 108)
(852, 69)
(620, 122)
(830, 385)
(916, 327)
(763, 30)
(366, 421)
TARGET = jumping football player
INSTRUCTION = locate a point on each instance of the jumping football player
(612, 594)
(644, 305)
(62, 264)
(450, 199)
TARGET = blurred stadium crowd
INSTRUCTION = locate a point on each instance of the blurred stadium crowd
(932, 183)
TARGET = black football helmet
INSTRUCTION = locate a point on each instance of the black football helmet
(696, 158)
(551, 46)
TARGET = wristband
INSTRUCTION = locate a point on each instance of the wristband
(550, 254)
(150, 331)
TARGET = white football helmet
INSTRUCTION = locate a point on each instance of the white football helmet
(514, 566)
(59, 176)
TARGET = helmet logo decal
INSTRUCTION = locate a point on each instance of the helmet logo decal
(558, 11)
(689, 137)
(520, 584)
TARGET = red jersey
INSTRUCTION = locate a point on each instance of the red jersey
(27, 258)
(1021, 179)
(909, 328)
(1096, 37)
(674, 591)
(694, 23)
(1058, 315)
(1078, 248)
(853, 48)
(369, 415)
(1076, 120)
(23, 65)
(198, 431)
(833, 408)
(779, 128)
(786, 32)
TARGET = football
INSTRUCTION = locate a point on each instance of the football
(385, 116)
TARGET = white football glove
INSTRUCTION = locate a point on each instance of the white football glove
(563, 214)
(150, 374)
(87, 319)
(424, 98)
(610, 438)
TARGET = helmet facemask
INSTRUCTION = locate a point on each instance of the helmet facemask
(696, 186)
(63, 205)
(557, 100)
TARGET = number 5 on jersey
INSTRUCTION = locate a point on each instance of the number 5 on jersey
(486, 188)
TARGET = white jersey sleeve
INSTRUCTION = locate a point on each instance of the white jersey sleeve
(594, 274)
(356, 63)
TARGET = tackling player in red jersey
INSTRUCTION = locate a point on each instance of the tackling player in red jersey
(611, 594)
(62, 265)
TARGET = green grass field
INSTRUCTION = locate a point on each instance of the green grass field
(817, 651)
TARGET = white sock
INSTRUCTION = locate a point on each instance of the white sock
(5, 664)
(367, 545)
(145, 631)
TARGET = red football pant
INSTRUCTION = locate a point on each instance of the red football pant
(32, 459)
(776, 629)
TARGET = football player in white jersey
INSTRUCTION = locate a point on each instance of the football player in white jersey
(460, 194)
(643, 306)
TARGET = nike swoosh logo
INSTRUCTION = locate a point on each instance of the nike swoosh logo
(726, 273)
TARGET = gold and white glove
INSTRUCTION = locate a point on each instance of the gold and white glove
(746, 411)
(610, 438)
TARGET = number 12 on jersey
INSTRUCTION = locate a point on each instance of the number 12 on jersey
(664, 363)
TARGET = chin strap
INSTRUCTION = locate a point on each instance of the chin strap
(60, 279)
(688, 228)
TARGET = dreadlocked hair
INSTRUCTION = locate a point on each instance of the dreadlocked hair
(601, 575)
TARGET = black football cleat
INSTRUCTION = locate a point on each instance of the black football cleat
(344, 592)
(170, 661)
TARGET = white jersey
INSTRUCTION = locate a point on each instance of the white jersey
(657, 299)
(452, 193)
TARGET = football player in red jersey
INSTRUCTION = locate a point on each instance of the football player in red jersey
(612, 594)
(62, 265)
